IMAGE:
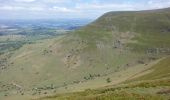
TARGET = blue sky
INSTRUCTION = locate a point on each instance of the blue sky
(54, 9)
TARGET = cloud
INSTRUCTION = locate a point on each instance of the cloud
(37, 9)
(104, 6)
(62, 9)
(75, 8)
(11, 8)
(158, 3)
(25, 0)
(56, 1)
(19, 8)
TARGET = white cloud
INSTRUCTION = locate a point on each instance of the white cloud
(62, 9)
(20, 8)
(37, 8)
(56, 1)
(11, 8)
(154, 4)
(24, 0)
(127, 6)
(75, 8)
(104, 6)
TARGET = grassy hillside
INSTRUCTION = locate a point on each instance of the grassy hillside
(118, 47)
(152, 86)
(147, 29)
(139, 37)
(130, 92)
(158, 71)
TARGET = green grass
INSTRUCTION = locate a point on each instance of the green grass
(150, 28)
(148, 88)
(160, 70)
(127, 92)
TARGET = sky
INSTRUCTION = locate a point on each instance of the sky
(68, 9)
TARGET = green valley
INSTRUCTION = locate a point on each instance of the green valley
(120, 56)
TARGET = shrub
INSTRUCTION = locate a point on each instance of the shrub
(108, 80)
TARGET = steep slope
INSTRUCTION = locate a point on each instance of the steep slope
(115, 47)
(148, 29)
